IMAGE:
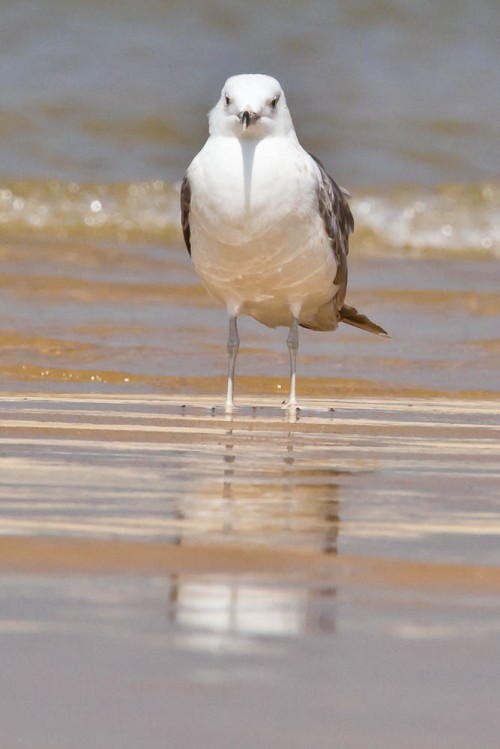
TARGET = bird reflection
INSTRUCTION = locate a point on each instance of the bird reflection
(271, 490)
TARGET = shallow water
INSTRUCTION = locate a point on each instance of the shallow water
(342, 479)
(175, 661)
(334, 577)
(164, 562)
(99, 317)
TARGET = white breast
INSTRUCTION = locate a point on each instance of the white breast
(258, 242)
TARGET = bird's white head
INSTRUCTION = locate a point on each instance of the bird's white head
(251, 106)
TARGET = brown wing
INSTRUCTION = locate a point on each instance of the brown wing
(339, 223)
(185, 206)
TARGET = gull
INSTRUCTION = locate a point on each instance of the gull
(266, 227)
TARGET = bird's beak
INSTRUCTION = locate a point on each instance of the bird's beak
(246, 118)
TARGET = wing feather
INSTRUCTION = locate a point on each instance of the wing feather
(185, 208)
(339, 223)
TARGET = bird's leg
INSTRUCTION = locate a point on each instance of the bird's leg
(293, 346)
(233, 345)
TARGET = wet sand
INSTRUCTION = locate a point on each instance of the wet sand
(172, 577)
(377, 476)
(80, 317)
(168, 575)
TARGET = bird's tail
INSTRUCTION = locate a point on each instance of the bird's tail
(351, 316)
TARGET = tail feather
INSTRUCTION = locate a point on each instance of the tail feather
(351, 316)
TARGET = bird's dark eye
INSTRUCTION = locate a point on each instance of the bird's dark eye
(227, 99)
(274, 102)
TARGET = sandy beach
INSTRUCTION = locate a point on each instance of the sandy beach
(181, 487)
(337, 575)
(303, 570)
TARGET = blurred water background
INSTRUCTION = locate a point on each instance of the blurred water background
(104, 104)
